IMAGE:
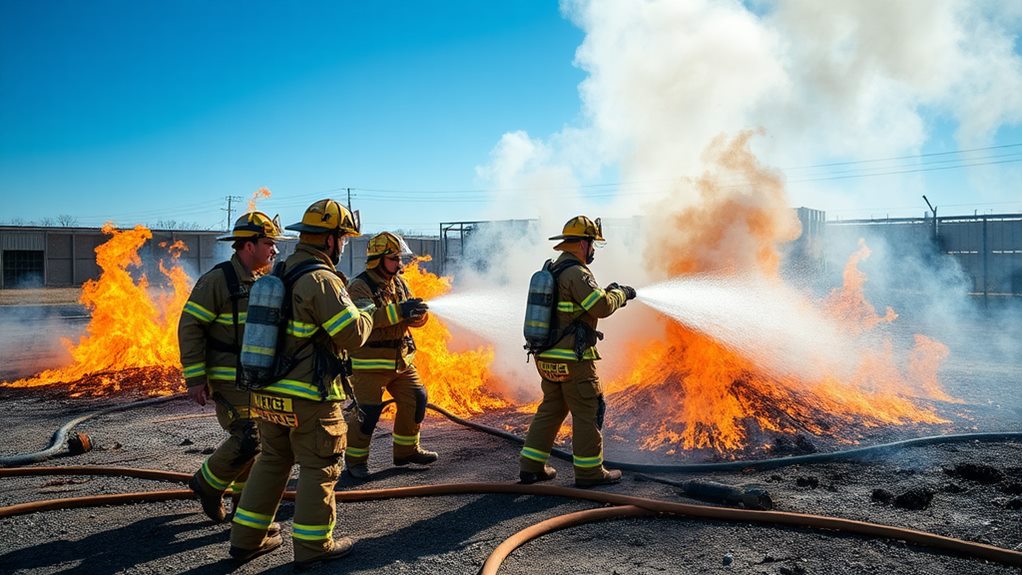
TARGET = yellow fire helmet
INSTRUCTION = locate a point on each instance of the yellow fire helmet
(254, 225)
(580, 228)
(327, 216)
(385, 244)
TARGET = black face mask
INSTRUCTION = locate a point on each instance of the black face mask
(591, 254)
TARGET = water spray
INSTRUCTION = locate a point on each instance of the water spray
(767, 322)
(491, 314)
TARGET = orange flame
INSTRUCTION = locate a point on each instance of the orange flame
(257, 195)
(457, 381)
(688, 391)
(129, 330)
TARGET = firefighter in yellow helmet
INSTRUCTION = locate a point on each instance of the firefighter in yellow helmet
(385, 362)
(209, 336)
(568, 368)
(299, 415)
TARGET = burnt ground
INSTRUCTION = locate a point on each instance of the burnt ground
(967, 490)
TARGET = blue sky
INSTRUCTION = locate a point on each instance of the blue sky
(144, 111)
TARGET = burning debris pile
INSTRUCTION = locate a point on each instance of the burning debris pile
(131, 343)
(680, 389)
(457, 381)
(131, 340)
(689, 391)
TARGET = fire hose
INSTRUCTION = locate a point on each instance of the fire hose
(60, 437)
(641, 506)
(650, 506)
(845, 455)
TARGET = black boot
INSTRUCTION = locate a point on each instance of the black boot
(359, 471)
(528, 477)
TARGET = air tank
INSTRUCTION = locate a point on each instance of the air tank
(262, 327)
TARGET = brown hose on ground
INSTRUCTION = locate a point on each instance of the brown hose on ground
(497, 556)
(923, 538)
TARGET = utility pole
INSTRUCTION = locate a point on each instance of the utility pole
(934, 210)
(230, 210)
(351, 255)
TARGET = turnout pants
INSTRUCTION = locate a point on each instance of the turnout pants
(229, 465)
(315, 440)
(568, 387)
(410, 396)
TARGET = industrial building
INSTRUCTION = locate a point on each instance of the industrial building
(66, 257)
(987, 248)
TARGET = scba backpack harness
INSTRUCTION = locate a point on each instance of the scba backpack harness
(270, 309)
(540, 328)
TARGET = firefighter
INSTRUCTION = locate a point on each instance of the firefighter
(210, 333)
(299, 415)
(385, 362)
(568, 369)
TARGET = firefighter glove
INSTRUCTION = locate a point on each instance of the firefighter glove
(629, 292)
(413, 308)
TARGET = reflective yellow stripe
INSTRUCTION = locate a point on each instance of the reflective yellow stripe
(301, 329)
(591, 299)
(341, 320)
(194, 370)
(392, 313)
(214, 481)
(567, 354)
(304, 390)
(223, 373)
(406, 439)
(228, 319)
(357, 452)
(368, 364)
(588, 461)
(252, 519)
(198, 312)
(312, 532)
(258, 350)
(531, 323)
(568, 307)
(534, 454)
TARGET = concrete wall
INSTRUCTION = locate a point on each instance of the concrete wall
(69, 254)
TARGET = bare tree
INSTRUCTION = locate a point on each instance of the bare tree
(67, 220)
(46, 222)
(18, 222)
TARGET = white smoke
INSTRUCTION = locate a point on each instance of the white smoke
(854, 80)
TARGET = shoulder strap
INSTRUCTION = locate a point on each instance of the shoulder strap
(556, 269)
(373, 287)
(233, 284)
(292, 275)
(234, 288)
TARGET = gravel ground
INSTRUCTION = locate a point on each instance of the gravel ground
(455, 534)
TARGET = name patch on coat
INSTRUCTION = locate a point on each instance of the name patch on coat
(553, 371)
(276, 410)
